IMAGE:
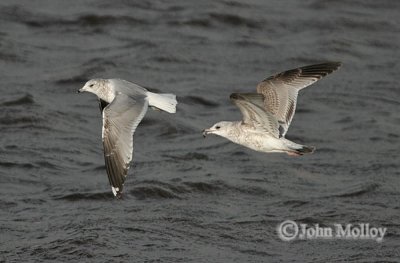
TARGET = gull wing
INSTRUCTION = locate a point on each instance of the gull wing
(280, 91)
(250, 104)
(127, 87)
(120, 119)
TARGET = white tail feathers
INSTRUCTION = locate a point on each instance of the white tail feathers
(165, 102)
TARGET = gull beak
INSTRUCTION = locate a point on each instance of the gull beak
(206, 131)
(79, 90)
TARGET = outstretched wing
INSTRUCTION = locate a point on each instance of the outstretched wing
(250, 104)
(280, 91)
(120, 119)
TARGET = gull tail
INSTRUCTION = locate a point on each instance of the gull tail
(165, 102)
(295, 149)
(305, 149)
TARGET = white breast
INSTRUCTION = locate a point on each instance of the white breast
(107, 92)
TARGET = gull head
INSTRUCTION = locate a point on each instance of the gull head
(93, 86)
(221, 128)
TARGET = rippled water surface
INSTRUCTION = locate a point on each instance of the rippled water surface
(188, 199)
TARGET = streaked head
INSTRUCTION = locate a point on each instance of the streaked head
(221, 128)
(92, 86)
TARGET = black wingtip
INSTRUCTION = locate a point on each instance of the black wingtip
(329, 66)
(320, 70)
(334, 64)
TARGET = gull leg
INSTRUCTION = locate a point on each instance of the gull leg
(293, 153)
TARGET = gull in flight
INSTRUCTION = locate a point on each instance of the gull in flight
(267, 114)
(123, 105)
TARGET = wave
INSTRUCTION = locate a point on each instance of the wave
(190, 100)
(27, 99)
(234, 20)
(358, 190)
(89, 20)
(85, 196)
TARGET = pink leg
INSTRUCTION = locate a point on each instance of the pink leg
(293, 154)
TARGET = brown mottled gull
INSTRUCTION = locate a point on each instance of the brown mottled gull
(268, 113)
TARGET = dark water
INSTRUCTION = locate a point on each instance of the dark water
(189, 199)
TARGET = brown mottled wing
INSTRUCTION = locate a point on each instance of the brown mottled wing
(280, 91)
(120, 119)
(250, 104)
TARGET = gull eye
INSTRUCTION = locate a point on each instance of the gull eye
(91, 85)
(217, 127)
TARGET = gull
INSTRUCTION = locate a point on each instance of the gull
(267, 114)
(123, 105)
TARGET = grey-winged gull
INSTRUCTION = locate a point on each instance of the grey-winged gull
(268, 113)
(123, 105)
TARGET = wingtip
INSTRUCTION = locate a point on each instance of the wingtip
(117, 191)
(338, 64)
(321, 70)
(333, 65)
